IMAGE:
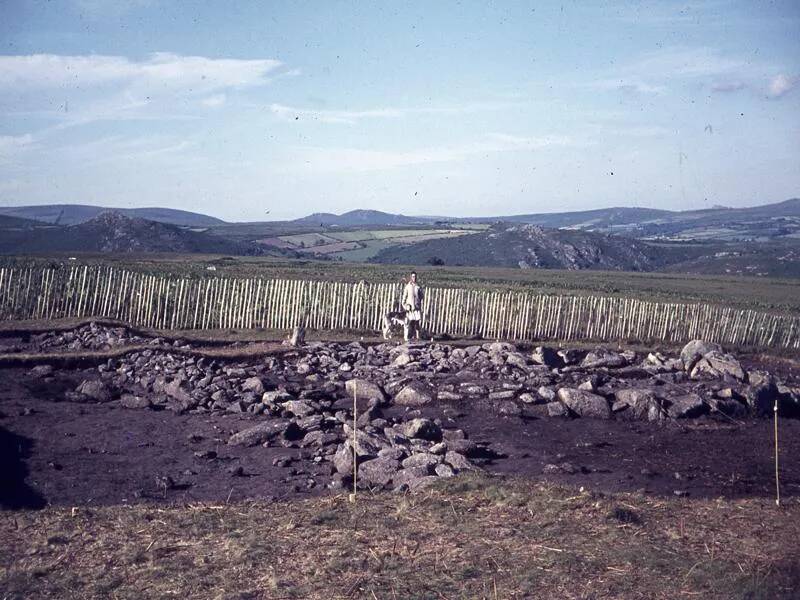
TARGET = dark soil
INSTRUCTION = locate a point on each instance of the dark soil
(67, 454)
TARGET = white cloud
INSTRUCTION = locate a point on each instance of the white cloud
(214, 101)
(12, 145)
(108, 8)
(123, 149)
(725, 87)
(95, 87)
(167, 70)
(781, 85)
(351, 117)
(680, 61)
(353, 159)
(290, 113)
(628, 85)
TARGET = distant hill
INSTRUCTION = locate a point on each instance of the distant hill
(115, 232)
(356, 218)
(766, 221)
(72, 214)
(9, 222)
(529, 246)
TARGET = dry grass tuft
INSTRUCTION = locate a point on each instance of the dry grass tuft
(472, 537)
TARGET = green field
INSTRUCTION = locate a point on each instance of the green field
(362, 244)
(780, 295)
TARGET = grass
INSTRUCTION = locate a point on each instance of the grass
(470, 538)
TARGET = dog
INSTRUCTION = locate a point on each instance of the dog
(392, 320)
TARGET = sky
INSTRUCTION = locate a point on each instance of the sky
(253, 111)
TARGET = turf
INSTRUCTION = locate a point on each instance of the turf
(473, 537)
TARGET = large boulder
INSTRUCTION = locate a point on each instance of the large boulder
(402, 360)
(515, 359)
(423, 460)
(717, 364)
(343, 459)
(686, 407)
(695, 350)
(458, 461)
(266, 431)
(415, 393)
(422, 429)
(377, 472)
(174, 389)
(95, 389)
(585, 404)
(640, 404)
(298, 408)
(762, 393)
(603, 358)
(365, 390)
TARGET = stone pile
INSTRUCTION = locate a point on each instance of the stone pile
(93, 336)
(303, 397)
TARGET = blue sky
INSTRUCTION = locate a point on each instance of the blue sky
(265, 110)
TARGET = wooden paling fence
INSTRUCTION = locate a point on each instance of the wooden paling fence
(164, 302)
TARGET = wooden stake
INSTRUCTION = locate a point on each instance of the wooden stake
(355, 442)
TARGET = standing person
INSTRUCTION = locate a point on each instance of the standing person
(412, 304)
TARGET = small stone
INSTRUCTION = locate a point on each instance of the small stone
(253, 384)
(205, 454)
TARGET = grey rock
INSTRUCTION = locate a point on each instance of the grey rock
(556, 409)
(264, 432)
(131, 401)
(415, 393)
(253, 384)
(641, 404)
(298, 408)
(547, 394)
(407, 477)
(395, 452)
(365, 390)
(439, 448)
(458, 461)
(559, 469)
(448, 396)
(502, 395)
(509, 408)
(443, 470)
(762, 394)
(421, 460)
(717, 364)
(685, 407)
(421, 428)
(402, 360)
(343, 459)
(585, 404)
(94, 389)
(515, 359)
(378, 472)
(695, 350)
(603, 358)
(41, 371)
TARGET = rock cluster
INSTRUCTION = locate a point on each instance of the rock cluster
(93, 336)
(303, 397)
